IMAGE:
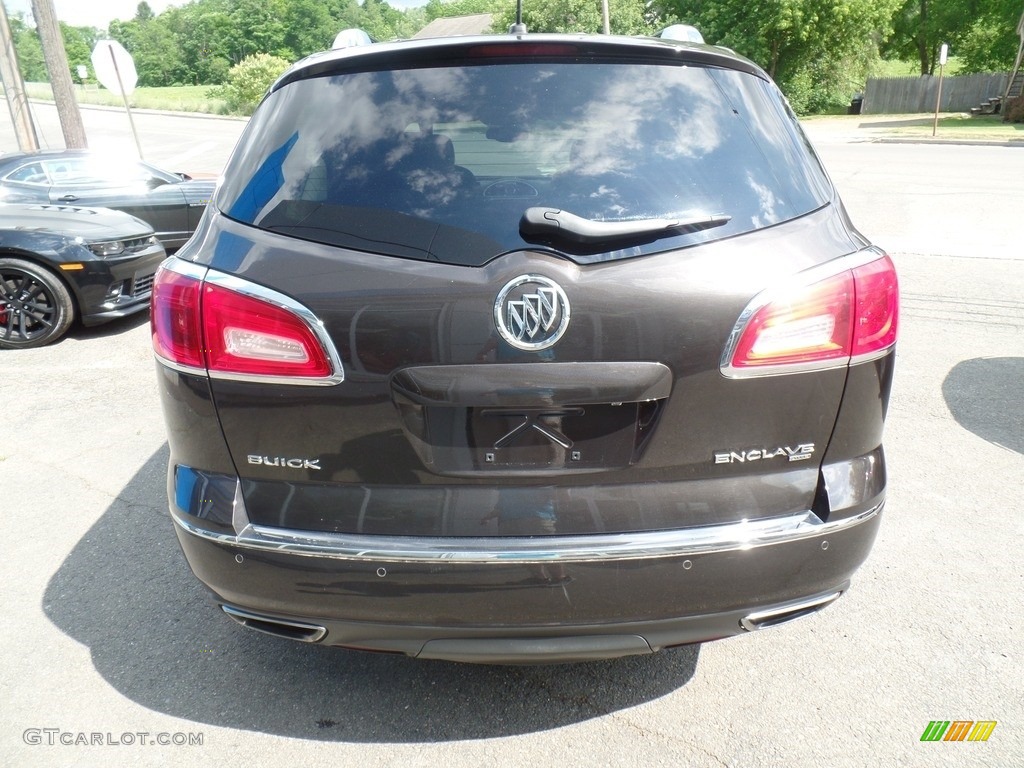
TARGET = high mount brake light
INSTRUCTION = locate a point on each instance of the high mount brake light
(230, 329)
(847, 316)
(521, 49)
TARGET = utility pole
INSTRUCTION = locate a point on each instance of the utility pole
(60, 75)
(14, 88)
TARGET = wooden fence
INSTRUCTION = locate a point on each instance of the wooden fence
(896, 95)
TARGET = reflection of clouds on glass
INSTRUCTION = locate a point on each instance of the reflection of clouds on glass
(645, 114)
(766, 202)
(774, 124)
(605, 141)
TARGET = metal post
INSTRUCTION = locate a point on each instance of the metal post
(124, 97)
(938, 97)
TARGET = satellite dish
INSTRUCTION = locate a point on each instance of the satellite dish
(682, 32)
(348, 38)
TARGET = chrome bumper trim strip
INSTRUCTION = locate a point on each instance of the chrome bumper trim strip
(746, 534)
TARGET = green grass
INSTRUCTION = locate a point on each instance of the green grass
(885, 68)
(951, 126)
(983, 127)
(184, 98)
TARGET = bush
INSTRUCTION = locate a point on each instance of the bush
(816, 90)
(248, 81)
(1013, 110)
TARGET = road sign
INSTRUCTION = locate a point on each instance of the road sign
(114, 67)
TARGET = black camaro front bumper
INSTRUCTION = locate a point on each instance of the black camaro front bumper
(115, 287)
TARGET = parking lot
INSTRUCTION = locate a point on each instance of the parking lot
(106, 632)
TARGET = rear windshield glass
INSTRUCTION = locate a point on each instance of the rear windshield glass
(442, 163)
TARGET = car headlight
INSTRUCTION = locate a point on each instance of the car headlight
(107, 248)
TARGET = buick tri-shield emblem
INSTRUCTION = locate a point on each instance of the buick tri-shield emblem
(531, 312)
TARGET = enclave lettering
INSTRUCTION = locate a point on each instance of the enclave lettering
(799, 453)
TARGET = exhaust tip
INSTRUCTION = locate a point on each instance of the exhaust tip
(773, 617)
(291, 630)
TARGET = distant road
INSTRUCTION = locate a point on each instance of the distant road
(944, 200)
(192, 143)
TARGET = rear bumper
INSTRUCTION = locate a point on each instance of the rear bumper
(549, 598)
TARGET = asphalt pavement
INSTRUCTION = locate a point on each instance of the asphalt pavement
(115, 656)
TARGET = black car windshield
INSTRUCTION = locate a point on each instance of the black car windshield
(443, 163)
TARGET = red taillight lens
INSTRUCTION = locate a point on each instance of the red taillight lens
(809, 325)
(878, 306)
(246, 335)
(216, 324)
(848, 315)
(177, 336)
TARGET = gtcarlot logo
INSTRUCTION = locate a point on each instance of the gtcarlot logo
(50, 737)
(958, 730)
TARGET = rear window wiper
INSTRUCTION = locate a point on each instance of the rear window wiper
(553, 222)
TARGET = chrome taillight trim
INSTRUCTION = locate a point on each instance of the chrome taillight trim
(686, 542)
(794, 282)
(262, 293)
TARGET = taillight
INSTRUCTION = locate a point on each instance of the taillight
(177, 336)
(237, 330)
(250, 336)
(878, 308)
(846, 316)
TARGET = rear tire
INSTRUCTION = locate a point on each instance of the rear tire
(35, 305)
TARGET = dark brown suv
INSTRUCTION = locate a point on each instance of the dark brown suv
(524, 348)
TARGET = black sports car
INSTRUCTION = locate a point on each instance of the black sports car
(171, 203)
(527, 347)
(58, 263)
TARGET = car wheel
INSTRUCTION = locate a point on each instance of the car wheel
(35, 306)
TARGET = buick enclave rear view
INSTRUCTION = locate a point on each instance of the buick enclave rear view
(525, 348)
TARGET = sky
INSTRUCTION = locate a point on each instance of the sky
(90, 13)
(99, 13)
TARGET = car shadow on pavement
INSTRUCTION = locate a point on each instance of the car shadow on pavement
(126, 592)
(984, 396)
(113, 328)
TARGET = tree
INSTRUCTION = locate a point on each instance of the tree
(628, 17)
(158, 57)
(143, 12)
(382, 22)
(205, 38)
(810, 47)
(446, 9)
(30, 52)
(981, 32)
(249, 80)
(259, 28)
(989, 44)
(78, 44)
